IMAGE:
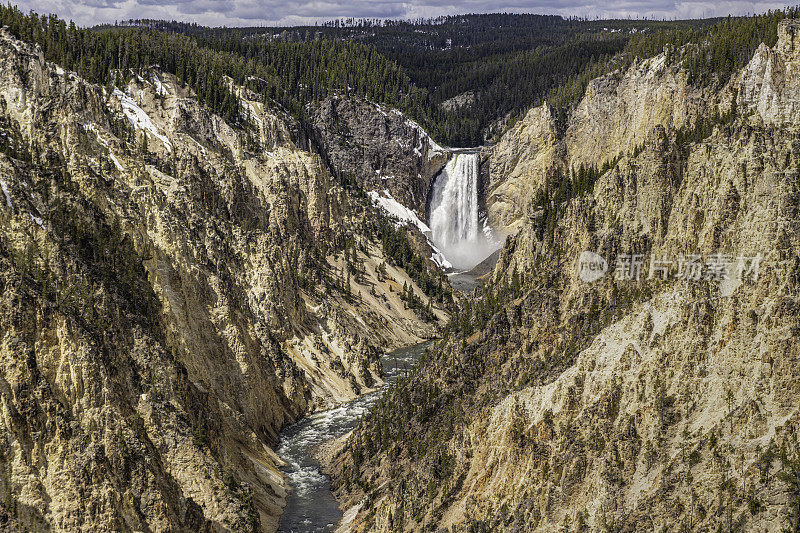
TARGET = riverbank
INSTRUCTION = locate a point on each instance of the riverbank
(308, 446)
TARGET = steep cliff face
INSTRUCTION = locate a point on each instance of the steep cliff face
(620, 110)
(381, 148)
(517, 166)
(769, 87)
(624, 402)
(173, 293)
(618, 113)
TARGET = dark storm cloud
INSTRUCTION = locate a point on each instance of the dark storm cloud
(279, 12)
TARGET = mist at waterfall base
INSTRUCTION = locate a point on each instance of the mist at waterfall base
(454, 216)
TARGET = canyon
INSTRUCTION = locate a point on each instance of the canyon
(641, 400)
(197, 306)
(174, 293)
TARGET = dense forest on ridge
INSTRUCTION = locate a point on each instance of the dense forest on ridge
(508, 63)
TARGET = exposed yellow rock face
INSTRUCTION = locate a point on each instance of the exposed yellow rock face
(618, 113)
(620, 110)
(620, 404)
(172, 295)
(769, 86)
(623, 435)
(518, 165)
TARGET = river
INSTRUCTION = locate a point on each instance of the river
(310, 505)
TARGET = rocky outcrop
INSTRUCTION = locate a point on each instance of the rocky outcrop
(654, 401)
(516, 167)
(618, 113)
(621, 110)
(380, 148)
(769, 87)
(173, 293)
(679, 393)
(459, 101)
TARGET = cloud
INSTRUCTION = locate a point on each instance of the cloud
(294, 12)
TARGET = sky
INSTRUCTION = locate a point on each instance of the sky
(297, 12)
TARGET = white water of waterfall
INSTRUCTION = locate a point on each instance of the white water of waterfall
(454, 223)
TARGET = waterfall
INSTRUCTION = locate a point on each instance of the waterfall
(455, 228)
(454, 205)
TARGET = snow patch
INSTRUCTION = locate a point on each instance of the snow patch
(139, 118)
(380, 109)
(433, 147)
(200, 146)
(102, 141)
(160, 87)
(116, 162)
(406, 215)
(438, 257)
(8, 195)
(252, 111)
(395, 208)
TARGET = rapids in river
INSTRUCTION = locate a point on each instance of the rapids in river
(310, 505)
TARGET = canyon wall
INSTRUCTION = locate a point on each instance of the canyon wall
(657, 391)
(173, 294)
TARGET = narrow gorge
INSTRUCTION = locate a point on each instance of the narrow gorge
(176, 290)
(454, 231)
(474, 273)
(640, 397)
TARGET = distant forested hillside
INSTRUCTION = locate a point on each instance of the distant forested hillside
(504, 63)
(509, 62)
